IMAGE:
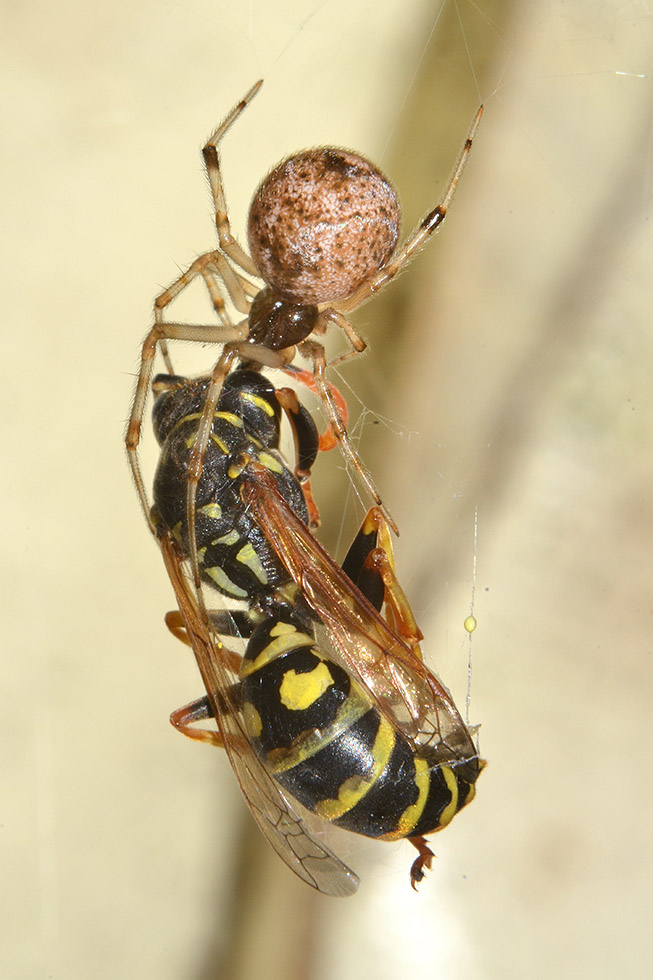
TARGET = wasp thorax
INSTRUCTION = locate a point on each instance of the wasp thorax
(321, 224)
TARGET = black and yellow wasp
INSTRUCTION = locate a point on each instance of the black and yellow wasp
(330, 714)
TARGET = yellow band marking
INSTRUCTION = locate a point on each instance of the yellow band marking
(252, 720)
(276, 648)
(270, 462)
(451, 808)
(224, 583)
(353, 790)
(231, 538)
(220, 443)
(236, 469)
(212, 510)
(191, 417)
(281, 760)
(259, 402)
(411, 815)
(247, 556)
(229, 417)
(282, 629)
(299, 691)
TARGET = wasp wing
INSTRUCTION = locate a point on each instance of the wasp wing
(398, 681)
(280, 821)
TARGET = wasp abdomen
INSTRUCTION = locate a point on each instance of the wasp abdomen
(323, 739)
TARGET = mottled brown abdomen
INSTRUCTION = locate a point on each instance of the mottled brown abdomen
(321, 223)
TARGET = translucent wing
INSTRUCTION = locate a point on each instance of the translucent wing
(280, 821)
(403, 688)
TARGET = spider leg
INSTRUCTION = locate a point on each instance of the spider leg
(335, 316)
(228, 243)
(159, 333)
(225, 363)
(429, 224)
(196, 462)
(316, 352)
(213, 267)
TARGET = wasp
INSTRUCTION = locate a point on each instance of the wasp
(328, 714)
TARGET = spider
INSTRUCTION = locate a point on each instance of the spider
(323, 229)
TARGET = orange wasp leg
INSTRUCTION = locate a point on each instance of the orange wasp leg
(370, 564)
(183, 718)
(307, 446)
(426, 855)
(175, 623)
(329, 439)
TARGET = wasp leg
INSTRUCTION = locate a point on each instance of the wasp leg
(222, 623)
(398, 612)
(355, 565)
(304, 432)
(370, 565)
(306, 438)
(183, 718)
(424, 860)
(175, 624)
(235, 622)
(306, 441)
(329, 438)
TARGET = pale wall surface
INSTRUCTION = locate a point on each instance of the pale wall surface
(513, 363)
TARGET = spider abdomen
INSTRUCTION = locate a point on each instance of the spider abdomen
(321, 223)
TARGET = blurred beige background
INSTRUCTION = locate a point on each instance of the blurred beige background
(509, 371)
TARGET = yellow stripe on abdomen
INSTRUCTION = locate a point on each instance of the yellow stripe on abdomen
(355, 788)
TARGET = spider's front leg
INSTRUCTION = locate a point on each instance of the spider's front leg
(159, 333)
(232, 352)
(316, 353)
(216, 272)
(210, 152)
(428, 225)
